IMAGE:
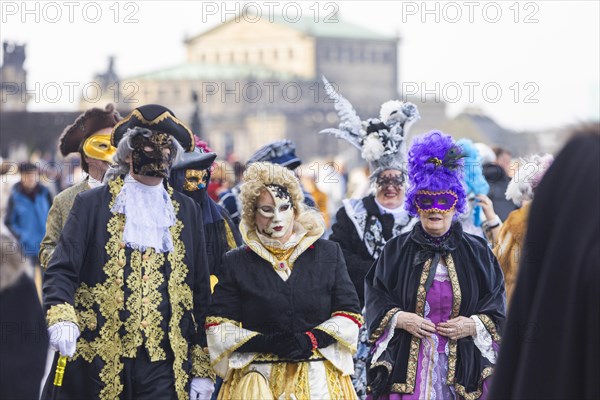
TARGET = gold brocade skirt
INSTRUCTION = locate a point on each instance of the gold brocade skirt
(285, 380)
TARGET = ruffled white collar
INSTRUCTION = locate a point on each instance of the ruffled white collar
(149, 214)
(399, 213)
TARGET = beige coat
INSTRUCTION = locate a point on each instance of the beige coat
(508, 250)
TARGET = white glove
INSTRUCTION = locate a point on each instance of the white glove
(201, 388)
(63, 337)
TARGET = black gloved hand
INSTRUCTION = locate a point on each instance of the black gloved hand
(295, 347)
(302, 347)
(379, 383)
(263, 343)
(323, 339)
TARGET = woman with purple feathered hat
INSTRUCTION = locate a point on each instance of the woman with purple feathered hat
(435, 299)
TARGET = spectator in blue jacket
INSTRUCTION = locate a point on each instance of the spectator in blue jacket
(27, 210)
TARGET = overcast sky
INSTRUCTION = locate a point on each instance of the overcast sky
(530, 65)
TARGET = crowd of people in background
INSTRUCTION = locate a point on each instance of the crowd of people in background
(413, 257)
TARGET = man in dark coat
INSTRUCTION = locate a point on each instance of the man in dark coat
(24, 343)
(550, 348)
(128, 286)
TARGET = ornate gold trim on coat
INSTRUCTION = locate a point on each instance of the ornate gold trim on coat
(61, 312)
(181, 298)
(109, 296)
(133, 334)
(201, 364)
(84, 300)
(409, 386)
(221, 320)
(151, 316)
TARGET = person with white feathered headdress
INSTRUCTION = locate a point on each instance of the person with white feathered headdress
(511, 238)
(363, 226)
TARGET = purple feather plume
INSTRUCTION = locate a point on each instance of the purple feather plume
(435, 163)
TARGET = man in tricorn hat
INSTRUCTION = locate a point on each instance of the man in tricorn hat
(89, 136)
(127, 287)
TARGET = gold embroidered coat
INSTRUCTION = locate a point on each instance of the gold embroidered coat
(122, 298)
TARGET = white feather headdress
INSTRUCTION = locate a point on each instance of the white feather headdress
(380, 140)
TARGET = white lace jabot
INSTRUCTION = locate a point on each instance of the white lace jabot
(399, 213)
(149, 214)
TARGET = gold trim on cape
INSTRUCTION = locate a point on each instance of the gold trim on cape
(383, 324)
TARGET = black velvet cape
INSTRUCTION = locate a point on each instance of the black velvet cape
(397, 282)
(551, 346)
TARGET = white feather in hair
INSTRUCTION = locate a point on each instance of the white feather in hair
(350, 127)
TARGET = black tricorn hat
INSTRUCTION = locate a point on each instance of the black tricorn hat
(197, 160)
(85, 126)
(156, 118)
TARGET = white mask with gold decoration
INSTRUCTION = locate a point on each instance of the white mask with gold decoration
(281, 214)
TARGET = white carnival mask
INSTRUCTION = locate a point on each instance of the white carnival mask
(281, 215)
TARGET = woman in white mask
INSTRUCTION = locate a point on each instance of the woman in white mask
(285, 317)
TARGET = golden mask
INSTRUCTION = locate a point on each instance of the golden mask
(194, 180)
(98, 146)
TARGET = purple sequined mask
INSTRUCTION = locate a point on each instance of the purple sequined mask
(436, 202)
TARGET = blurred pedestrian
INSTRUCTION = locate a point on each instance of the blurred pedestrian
(511, 238)
(24, 341)
(480, 218)
(498, 178)
(27, 210)
(550, 348)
